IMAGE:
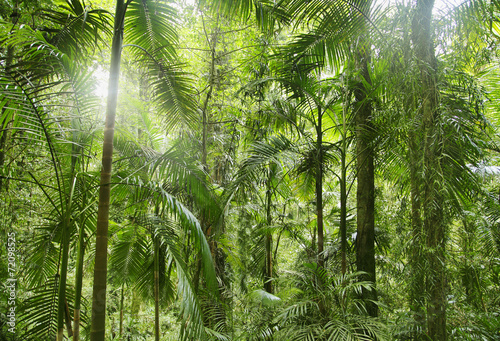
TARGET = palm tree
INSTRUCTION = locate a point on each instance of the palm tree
(365, 153)
(149, 28)
(433, 227)
(401, 131)
(330, 28)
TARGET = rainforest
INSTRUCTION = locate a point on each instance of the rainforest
(249, 170)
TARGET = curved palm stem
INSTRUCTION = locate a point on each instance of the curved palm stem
(65, 241)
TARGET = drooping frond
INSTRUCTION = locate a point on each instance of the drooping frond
(173, 93)
(332, 28)
(150, 33)
(266, 14)
(171, 170)
(38, 313)
(43, 261)
(154, 191)
(151, 25)
(76, 27)
(129, 254)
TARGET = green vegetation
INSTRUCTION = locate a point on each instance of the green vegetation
(252, 170)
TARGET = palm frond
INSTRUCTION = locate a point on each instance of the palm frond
(335, 26)
(44, 259)
(77, 28)
(151, 25)
(38, 313)
(129, 255)
(175, 174)
(278, 151)
(267, 15)
(150, 31)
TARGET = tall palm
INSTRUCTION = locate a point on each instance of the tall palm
(365, 153)
(328, 43)
(443, 158)
(149, 31)
(457, 137)
(313, 115)
(317, 103)
(433, 227)
(331, 27)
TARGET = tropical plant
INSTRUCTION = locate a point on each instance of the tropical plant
(149, 32)
(47, 100)
(332, 314)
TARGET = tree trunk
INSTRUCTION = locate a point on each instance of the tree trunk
(157, 286)
(204, 148)
(433, 224)
(319, 186)
(98, 323)
(79, 277)
(65, 241)
(343, 196)
(121, 310)
(365, 195)
(416, 261)
(268, 285)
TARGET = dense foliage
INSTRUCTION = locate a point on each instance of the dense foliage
(252, 170)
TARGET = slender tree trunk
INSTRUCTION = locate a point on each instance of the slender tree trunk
(65, 240)
(121, 310)
(204, 148)
(98, 323)
(156, 275)
(268, 285)
(157, 286)
(343, 205)
(343, 188)
(79, 279)
(211, 83)
(62, 286)
(365, 195)
(433, 224)
(319, 186)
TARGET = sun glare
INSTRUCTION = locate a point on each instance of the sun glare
(101, 83)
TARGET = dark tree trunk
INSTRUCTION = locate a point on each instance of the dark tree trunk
(365, 195)
(433, 224)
